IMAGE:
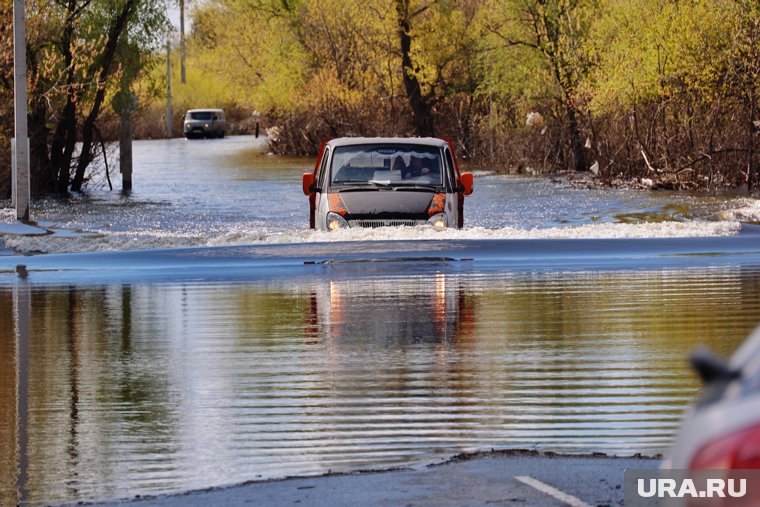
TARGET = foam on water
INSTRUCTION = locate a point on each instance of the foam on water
(596, 231)
(7, 214)
(744, 210)
(242, 235)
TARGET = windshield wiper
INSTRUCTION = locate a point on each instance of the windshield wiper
(363, 188)
(362, 185)
(417, 186)
(341, 182)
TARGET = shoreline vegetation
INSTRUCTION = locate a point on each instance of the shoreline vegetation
(659, 94)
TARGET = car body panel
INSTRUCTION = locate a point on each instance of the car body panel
(727, 406)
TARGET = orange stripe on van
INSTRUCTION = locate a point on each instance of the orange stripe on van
(336, 204)
(437, 205)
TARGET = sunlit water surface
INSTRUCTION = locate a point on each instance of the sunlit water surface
(149, 388)
(109, 390)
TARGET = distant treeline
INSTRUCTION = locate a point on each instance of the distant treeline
(665, 90)
(662, 91)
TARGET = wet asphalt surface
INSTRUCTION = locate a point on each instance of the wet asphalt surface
(478, 480)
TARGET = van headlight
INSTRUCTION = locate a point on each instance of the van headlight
(335, 221)
(439, 221)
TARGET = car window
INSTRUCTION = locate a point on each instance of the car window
(321, 177)
(388, 164)
(450, 171)
(200, 115)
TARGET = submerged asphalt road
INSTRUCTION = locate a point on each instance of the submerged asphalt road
(515, 478)
(353, 258)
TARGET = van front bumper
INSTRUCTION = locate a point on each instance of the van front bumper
(198, 128)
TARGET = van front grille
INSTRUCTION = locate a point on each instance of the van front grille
(372, 224)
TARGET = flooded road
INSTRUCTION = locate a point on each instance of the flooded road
(229, 192)
(142, 372)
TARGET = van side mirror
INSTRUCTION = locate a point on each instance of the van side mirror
(308, 181)
(467, 181)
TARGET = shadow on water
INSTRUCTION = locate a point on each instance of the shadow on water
(116, 389)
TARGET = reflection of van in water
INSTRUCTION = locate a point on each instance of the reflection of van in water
(375, 182)
(428, 310)
(205, 123)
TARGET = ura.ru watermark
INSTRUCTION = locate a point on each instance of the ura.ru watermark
(690, 488)
(687, 488)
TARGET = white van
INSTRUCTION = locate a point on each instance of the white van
(376, 182)
(205, 123)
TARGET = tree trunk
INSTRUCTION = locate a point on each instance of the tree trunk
(751, 131)
(40, 177)
(114, 33)
(62, 150)
(422, 110)
(64, 137)
(576, 141)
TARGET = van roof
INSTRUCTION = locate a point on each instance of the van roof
(205, 110)
(350, 141)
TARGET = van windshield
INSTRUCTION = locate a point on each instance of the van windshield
(200, 115)
(386, 165)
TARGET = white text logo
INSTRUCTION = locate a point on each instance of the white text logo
(714, 488)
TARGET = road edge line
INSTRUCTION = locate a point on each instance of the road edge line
(552, 491)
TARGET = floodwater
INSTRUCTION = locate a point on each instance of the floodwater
(559, 319)
(229, 192)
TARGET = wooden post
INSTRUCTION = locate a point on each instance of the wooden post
(125, 152)
(21, 190)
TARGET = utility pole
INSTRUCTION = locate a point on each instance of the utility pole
(183, 77)
(21, 190)
(168, 88)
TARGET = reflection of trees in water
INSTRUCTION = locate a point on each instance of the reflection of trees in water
(597, 326)
(339, 368)
(75, 379)
(8, 469)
